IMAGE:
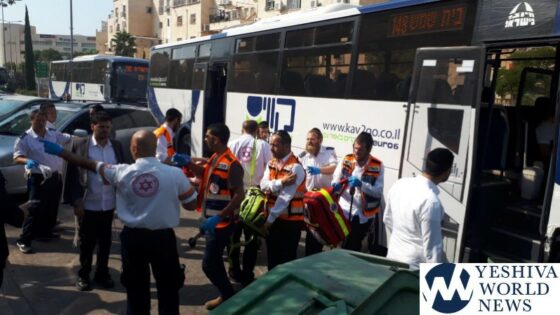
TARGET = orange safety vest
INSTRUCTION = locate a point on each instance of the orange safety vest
(214, 194)
(162, 131)
(295, 208)
(371, 172)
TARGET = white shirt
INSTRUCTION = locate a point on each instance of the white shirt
(325, 157)
(149, 193)
(242, 148)
(375, 190)
(545, 132)
(161, 150)
(285, 194)
(413, 215)
(99, 197)
(29, 145)
(50, 125)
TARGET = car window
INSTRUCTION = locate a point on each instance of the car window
(19, 122)
(80, 122)
(142, 118)
(7, 105)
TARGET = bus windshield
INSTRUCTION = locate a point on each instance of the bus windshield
(130, 81)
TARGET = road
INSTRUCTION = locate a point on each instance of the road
(44, 282)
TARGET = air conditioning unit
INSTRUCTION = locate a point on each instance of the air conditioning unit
(277, 6)
(205, 27)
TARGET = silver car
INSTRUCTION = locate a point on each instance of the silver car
(72, 118)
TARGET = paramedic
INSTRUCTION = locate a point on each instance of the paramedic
(165, 134)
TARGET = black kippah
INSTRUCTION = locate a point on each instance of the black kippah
(438, 161)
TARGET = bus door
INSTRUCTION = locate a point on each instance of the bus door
(210, 82)
(442, 109)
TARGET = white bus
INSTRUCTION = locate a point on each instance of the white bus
(99, 78)
(476, 77)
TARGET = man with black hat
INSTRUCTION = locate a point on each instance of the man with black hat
(414, 213)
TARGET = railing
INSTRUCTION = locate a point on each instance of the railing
(223, 16)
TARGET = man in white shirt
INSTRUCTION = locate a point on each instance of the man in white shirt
(320, 163)
(44, 181)
(264, 131)
(165, 134)
(253, 154)
(94, 203)
(414, 213)
(360, 175)
(284, 183)
(148, 202)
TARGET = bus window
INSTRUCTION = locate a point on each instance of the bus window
(267, 42)
(185, 52)
(59, 71)
(159, 66)
(180, 74)
(329, 34)
(81, 71)
(254, 73)
(446, 82)
(130, 81)
(320, 72)
(204, 50)
(99, 70)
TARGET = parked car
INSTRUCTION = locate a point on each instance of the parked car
(10, 103)
(72, 118)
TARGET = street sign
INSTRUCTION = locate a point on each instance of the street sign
(42, 70)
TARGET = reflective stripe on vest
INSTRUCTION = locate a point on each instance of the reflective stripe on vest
(371, 172)
(215, 194)
(162, 131)
(295, 208)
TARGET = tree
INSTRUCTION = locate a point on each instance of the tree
(47, 55)
(124, 44)
(29, 59)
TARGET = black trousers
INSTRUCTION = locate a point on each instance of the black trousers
(95, 229)
(45, 200)
(282, 242)
(249, 252)
(140, 249)
(357, 235)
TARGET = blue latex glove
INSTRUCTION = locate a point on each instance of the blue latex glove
(336, 187)
(31, 164)
(51, 147)
(210, 224)
(354, 182)
(313, 170)
(179, 159)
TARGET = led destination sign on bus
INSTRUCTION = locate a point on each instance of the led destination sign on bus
(428, 21)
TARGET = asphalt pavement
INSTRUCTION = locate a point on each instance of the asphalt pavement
(44, 282)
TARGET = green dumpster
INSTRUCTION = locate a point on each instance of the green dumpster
(337, 282)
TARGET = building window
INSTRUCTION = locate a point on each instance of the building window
(269, 5)
(179, 39)
(149, 10)
(180, 21)
(124, 10)
(167, 22)
(160, 25)
(294, 4)
(118, 27)
(193, 18)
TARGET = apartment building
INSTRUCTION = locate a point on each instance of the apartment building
(101, 39)
(154, 22)
(137, 18)
(15, 43)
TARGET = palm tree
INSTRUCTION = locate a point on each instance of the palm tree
(124, 44)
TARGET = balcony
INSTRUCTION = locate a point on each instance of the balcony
(224, 16)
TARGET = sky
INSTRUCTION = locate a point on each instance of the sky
(53, 16)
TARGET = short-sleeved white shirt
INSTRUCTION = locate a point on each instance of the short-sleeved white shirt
(242, 148)
(325, 157)
(148, 193)
(30, 146)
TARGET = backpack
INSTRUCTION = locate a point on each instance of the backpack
(252, 210)
(324, 217)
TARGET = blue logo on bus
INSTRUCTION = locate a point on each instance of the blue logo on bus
(279, 112)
